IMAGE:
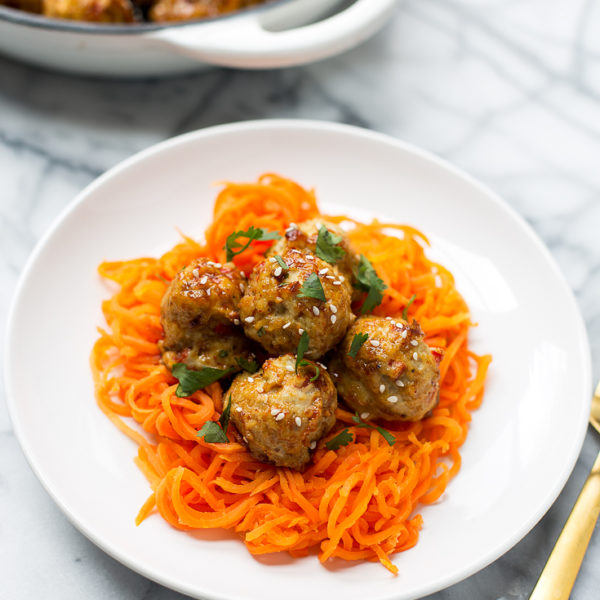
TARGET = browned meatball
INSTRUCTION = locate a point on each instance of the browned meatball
(274, 312)
(304, 237)
(394, 376)
(280, 414)
(99, 11)
(200, 317)
(33, 6)
(179, 10)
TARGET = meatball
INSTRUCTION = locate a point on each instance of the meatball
(280, 414)
(275, 312)
(99, 11)
(179, 10)
(304, 237)
(200, 317)
(394, 376)
(32, 6)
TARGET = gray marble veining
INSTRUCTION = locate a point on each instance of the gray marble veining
(509, 91)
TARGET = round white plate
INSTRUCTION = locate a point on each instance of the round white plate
(523, 442)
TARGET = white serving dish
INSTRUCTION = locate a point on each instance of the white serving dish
(280, 33)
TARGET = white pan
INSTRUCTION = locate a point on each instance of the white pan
(279, 33)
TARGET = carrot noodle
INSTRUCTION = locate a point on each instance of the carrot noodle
(358, 503)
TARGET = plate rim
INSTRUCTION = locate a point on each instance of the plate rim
(303, 125)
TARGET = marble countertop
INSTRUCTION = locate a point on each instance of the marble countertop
(508, 91)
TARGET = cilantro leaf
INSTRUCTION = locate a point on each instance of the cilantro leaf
(316, 375)
(343, 438)
(212, 433)
(302, 348)
(306, 363)
(216, 433)
(389, 438)
(357, 343)
(327, 246)
(191, 381)
(233, 247)
(312, 288)
(281, 262)
(248, 365)
(368, 281)
(261, 332)
(224, 418)
(405, 311)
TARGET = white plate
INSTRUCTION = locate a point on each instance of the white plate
(523, 442)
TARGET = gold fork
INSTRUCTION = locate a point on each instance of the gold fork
(558, 576)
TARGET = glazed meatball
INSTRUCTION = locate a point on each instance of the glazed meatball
(179, 10)
(275, 312)
(304, 237)
(394, 375)
(280, 414)
(99, 11)
(200, 317)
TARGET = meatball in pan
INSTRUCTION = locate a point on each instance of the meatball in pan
(394, 375)
(282, 414)
(200, 317)
(277, 306)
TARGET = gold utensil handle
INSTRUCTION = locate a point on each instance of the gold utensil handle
(558, 576)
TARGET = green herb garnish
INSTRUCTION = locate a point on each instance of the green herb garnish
(233, 247)
(343, 438)
(327, 246)
(305, 363)
(191, 381)
(357, 342)
(281, 262)
(368, 281)
(389, 438)
(302, 348)
(261, 331)
(312, 288)
(248, 365)
(223, 353)
(216, 433)
(405, 311)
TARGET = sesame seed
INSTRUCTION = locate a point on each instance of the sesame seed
(323, 366)
(249, 319)
(389, 318)
(375, 343)
(210, 263)
(280, 416)
(405, 333)
(250, 379)
(381, 388)
(286, 325)
(292, 226)
(279, 299)
(323, 271)
(275, 411)
(289, 368)
(392, 399)
(208, 290)
(415, 356)
(218, 265)
(242, 288)
(272, 259)
(203, 279)
(278, 271)
(236, 321)
(399, 383)
(310, 257)
(342, 278)
(298, 421)
(313, 445)
(337, 283)
(196, 273)
(300, 330)
(336, 375)
(414, 342)
(365, 415)
(329, 277)
(333, 308)
(316, 311)
(238, 409)
(333, 319)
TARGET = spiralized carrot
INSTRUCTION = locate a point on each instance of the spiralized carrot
(360, 502)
